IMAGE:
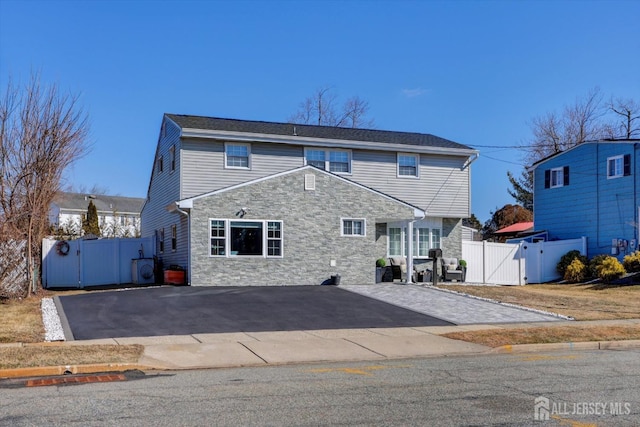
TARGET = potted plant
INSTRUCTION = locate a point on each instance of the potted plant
(380, 269)
(462, 265)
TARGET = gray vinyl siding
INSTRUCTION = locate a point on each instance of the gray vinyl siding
(206, 171)
(164, 189)
(442, 187)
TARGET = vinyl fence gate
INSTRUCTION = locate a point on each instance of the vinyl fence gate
(92, 262)
(516, 263)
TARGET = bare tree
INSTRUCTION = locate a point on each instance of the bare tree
(579, 122)
(626, 122)
(322, 109)
(42, 132)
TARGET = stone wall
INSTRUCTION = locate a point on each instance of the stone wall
(313, 248)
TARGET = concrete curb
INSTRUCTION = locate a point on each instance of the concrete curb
(567, 346)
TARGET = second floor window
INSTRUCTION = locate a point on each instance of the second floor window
(619, 166)
(337, 161)
(172, 156)
(316, 158)
(408, 165)
(237, 155)
(556, 177)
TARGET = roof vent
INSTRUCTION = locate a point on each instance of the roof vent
(309, 182)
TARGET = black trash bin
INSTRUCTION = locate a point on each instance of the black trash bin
(335, 280)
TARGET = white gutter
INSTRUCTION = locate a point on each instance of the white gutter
(472, 159)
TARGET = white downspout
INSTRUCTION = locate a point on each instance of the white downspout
(409, 278)
(410, 238)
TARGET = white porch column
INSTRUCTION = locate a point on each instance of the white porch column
(409, 277)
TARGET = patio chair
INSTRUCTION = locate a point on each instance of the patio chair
(398, 267)
(451, 270)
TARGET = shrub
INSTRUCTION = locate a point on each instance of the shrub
(631, 262)
(610, 269)
(594, 265)
(576, 271)
(462, 263)
(567, 259)
(380, 262)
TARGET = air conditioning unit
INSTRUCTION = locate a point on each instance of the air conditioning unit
(142, 271)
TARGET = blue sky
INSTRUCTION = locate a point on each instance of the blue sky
(475, 72)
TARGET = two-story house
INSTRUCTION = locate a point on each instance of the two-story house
(592, 190)
(237, 202)
(117, 216)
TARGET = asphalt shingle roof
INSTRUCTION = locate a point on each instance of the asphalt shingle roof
(80, 201)
(312, 131)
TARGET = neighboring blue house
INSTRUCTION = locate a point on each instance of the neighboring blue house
(592, 190)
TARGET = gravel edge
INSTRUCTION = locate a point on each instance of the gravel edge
(52, 326)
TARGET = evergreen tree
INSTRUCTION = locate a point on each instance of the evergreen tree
(90, 224)
(522, 190)
(472, 222)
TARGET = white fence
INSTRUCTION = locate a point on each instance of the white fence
(516, 263)
(91, 262)
(543, 257)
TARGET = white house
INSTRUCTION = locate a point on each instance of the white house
(117, 216)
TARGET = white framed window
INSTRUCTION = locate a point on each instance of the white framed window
(353, 227)
(615, 167)
(340, 161)
(274, 238)
(557, 177)
(172, 157)
(426, 236)
(237, 155)
(408, 165)
(336, 161)
(316, 158)
(242, 238)
(160, 163)
(218, 238)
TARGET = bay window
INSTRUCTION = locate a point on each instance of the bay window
(238, 238)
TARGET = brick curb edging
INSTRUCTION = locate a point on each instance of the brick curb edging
(45, 371)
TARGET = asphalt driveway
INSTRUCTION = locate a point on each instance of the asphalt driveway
(190, 310)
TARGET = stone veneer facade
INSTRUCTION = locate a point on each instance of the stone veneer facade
(312, 221)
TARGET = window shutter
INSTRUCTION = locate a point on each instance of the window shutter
(627, 165)
(547, 178)
(566, 176)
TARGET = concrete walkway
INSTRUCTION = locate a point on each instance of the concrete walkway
(455, 308)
